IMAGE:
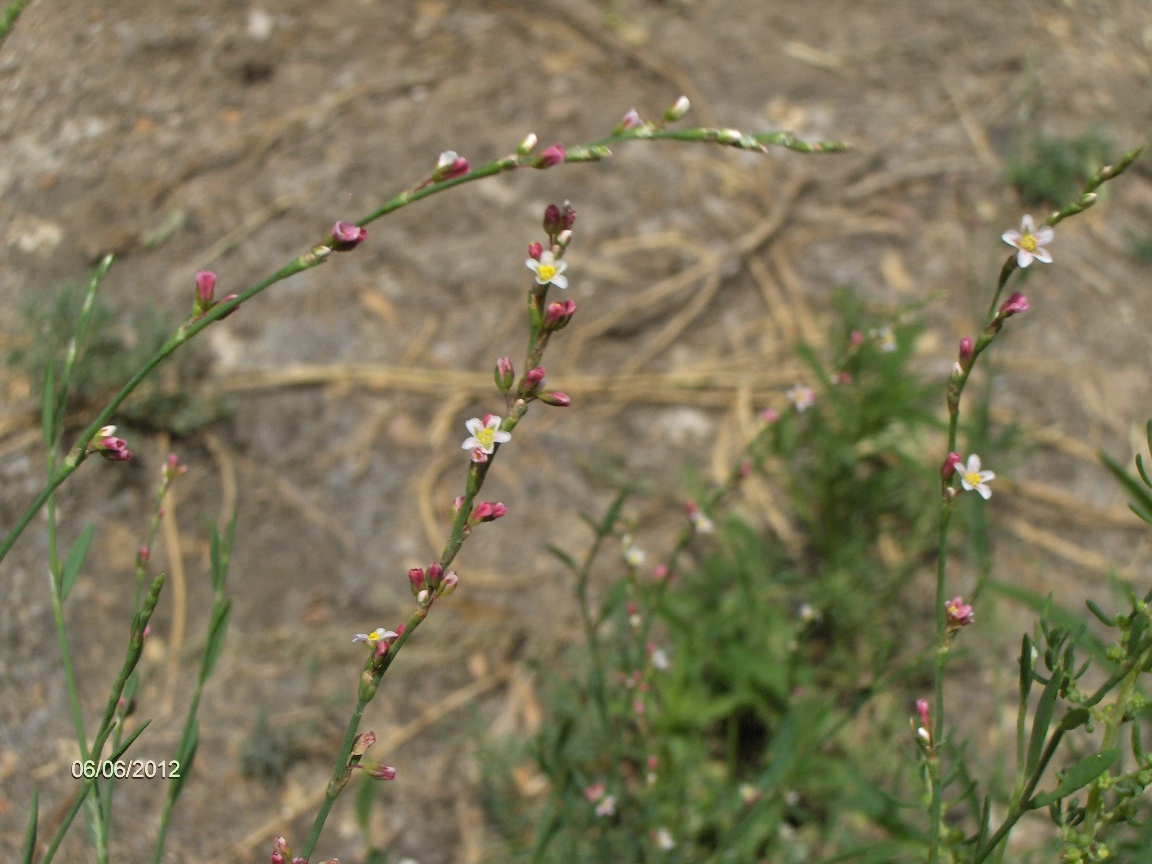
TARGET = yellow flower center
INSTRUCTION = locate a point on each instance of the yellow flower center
(484, 436)
(375, 636)
(546, 272)
(1028, 243)
(973, 478)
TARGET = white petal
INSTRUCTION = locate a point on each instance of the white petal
(1044, 234)
(1043, 254)
(1027, 225)
(1012, 237)
(985, 476)
(984, 491)
(493, 422)
(469, 444)
(532, 264)
(501, 437)
(561, 266)
(968, 487)
(560, 282)
(474, 425)
(1023, 258)
(973, 466)
(547, 257)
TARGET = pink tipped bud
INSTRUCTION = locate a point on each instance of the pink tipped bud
(382, 772)
(551, 156)
(535, 250)
(922, 712)
(347, 236)
(770, 415)
(594, 792)
(282, 850)
(559, 313)
(965, 351)
(564, 238)
(450, 166)
(416, 579)
(660, 573)
(362, 743)
(142, 555)
(630, 120)
(527, 145)
(228, 298)
(679, 109)
(487, 417)
(505, 374)
(487, 511)
(449, 583)
(949, 466)
(205, 288)
(457, 503)
(1014, 305)
(435, 574)
(555, 398)
(533, 378)
(382, 648)
(551, 223)
(856, 339)
(745, 468)
(691, 509)
(567, 217)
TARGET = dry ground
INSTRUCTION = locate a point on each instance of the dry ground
(230, 135)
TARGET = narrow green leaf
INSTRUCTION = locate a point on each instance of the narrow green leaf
(1137, 745)
(1041, 722)
(1100, 613)
(1075, 718)
(365, 795)
(47, 407)
(1025, 668)
(29, 848)
(612, 601)
(1141, 498)
(123, 748)
(75, 561)
(1143, 473)
(565, 558)
(608, 523)
(215, 643)
(185, 756)
(1077, 777)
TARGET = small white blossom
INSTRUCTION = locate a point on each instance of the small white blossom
(663, 840)
(887, 339)
(607, 806)
(660, 660)
(485, 436)
(634, 556)
(972, 478)
(380, 634)
(701, 523)
(548, 270)
(1030, 242)
(801, 397)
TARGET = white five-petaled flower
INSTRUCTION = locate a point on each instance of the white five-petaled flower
(1030, 241)
(887, 339)
(380, 634)
(548, 270)
(701, 523)
(972, 478)
(607, 806)
(802, 397)
(663, 839)
(485, 436)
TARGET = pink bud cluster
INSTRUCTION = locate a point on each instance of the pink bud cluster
(346, 236)
(109, 446)
(958, 613)
(206, 295)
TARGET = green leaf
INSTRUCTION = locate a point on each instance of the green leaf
(1025, 668)
(565, 558)
(75, 561)
(185, 756)
(613, 513)
(29, 848)
(1104, 617)
(123, 748)
(1077, 777)
(1075, 718)
(1041, 722)
(1141, 498)
(215, 642)
(365, 795)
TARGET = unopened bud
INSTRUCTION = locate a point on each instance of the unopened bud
(205, 288)
(679, 109)
(435, 573)
(527, 145)
(552, 225)
(535, 250)
(457, 503)
(533, 378)
(142, 555)
(555, 398)
(449, 583)
(965, 350)
(551, 156)
(362, 743)
(347, 236)
(559, 313)
(949, 466)
(505, 374)
(630, 120)
(856, 338)
(416, 579)
(1014, 305)
(564, 237)
(729, 136)
(450, 166)
(382, 772)
(567, 217)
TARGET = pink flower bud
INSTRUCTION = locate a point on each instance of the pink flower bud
(630, 120)
(142, 555)
(435, 574)
(487, 511)
(505, 374)
(382, 772)
(567, 217)
(362, 743)
(679, 109)
(450, 166)
(457, 503)
(958, 613)
(949, 466)
(479, 456)
(552, 225)
(527, 145)
(205, 287)
(555, 398)
(559, 313)
(416, 579)
(922, 711)
(965, 351)
(487, 417)
(382, 648)
(535, 250)
(856, 339)
(660, 573)
(594, 792)
(770, 415)
(347, 236)
(533, 378)
(551, 156)
(745, 468)
(448, 585)
(1013, 305)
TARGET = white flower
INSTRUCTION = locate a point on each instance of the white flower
(660, 660)
(380, 634)
(485, 436)
(549, 270)
(663, 840)
(607, 806)
(887, 339)
(701, 523)
(634, 556)
(973, 478)
(1030, 241)
(802, 397)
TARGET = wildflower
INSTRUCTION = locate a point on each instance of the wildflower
(535, 250)
(486, 511)
(548, 270)
(801, 397)
(594, 792)
(205, 288)
(551, 156)
(109, 446)
(949, 466)
(973, 478)
(382, 772)
(607, 806)
(661, 572)
(633, 555)
(660, 836)
(630, 120)
(1015, 304)
(1030, 242)
(486, 434)
(362, 742)
(922, 711)
(346, 236)
(558, 314)
(770, 415)
(965, 350)
(450, 166)
(959, 613)
(887, 339)
(533, 378)
(380, 634)
(700, 521)
(552, 220)
(856, 338)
